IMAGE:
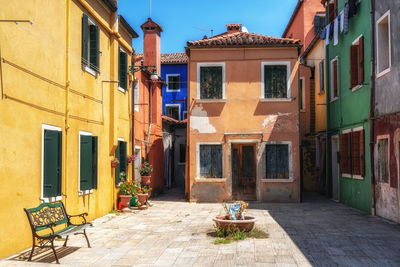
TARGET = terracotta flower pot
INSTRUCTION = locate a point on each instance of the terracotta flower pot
(243, 225)
(125, 200)
(142, 198)
(146, 180)
(114, 164)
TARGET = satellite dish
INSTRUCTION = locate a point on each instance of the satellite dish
(244, 29)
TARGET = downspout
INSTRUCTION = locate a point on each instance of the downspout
(372, 107)
(150, 118)
(67, 87)
(134, 83)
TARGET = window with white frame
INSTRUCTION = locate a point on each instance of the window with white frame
(173, 82)
(275, 82)
(88, 146)
(278, 160)
(90, 45)
(211, 81)
(383, 46)
(123, 69)
(382, 159)
(352, 153)
(357, 62)
(173, 111)
(136, 96)
(334, 78)
(302, 94)
(210, 157)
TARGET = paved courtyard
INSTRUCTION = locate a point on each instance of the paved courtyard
(173, 232)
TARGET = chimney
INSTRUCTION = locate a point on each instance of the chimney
(151, 44)
(234, 27)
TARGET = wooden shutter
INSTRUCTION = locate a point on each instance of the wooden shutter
(362, 154)
(211, 161)
(331, 12)
(355, 153)
(86, 163)
(270, 161)
(321, 77)
(211, 82)
(122, 73)
(361, 59)
(52, 163)
(275, 81)
(345, 153)
(117, 169)
(94, 47)
(85, 39)
(94, 161)
(353, 66)
(335, 78)
(123, 154)
(282, 161)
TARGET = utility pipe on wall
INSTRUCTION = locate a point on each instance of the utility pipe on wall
(150, 118)
(67, 87)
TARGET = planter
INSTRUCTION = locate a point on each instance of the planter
(125, 200)
(114, 164)
(142, 198)
(243, 225)
(146, 180)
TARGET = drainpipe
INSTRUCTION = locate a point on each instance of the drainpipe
(150, 118)
(67, 86)
(134, 83)
(372, 106)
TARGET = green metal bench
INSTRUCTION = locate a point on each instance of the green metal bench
(48, 216)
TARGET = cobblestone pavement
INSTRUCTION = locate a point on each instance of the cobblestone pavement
(172, 232)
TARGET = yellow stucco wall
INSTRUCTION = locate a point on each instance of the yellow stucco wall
(313, 58)
(34, 80)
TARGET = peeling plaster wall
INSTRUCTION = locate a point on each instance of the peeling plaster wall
(200, 121)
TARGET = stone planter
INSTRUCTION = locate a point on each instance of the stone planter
(142, 198)
(146, 180)
(125, 200)
(243, 225)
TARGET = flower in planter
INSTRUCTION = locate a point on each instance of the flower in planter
(128, 187)
(144, 190)
(131, 158)
(146, 169)
(114, 162)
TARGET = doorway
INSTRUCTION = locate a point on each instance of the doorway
(244, 172)
(335, 168)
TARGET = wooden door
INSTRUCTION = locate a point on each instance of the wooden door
(244, 171)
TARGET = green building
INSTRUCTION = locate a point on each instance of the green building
(348, 69)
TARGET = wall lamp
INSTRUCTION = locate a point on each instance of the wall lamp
(153, 77)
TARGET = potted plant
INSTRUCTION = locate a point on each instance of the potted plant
(126, 190)
(130, 158)
(143, 194)
(114, 162)
(145, 171)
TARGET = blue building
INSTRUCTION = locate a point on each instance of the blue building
(174, 94)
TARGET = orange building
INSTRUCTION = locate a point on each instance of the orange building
(306, 21)
(243, 113)
(148, 106)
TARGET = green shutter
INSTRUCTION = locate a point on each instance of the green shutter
(86, 163)
(94, 161)
(85, 39)
(211, 82)
(117, 169)
(123, 154)
(122, 70)
(52, 164)
(275, 81)
(94, 47)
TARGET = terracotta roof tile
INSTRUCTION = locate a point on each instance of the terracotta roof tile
(242, 39)
(174, 58)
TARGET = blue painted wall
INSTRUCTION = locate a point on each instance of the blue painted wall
(167, 97)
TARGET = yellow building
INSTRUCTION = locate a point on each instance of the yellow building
(63, 111)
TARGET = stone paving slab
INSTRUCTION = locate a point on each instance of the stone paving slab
(173, 232)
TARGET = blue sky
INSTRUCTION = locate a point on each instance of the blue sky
(178, 18)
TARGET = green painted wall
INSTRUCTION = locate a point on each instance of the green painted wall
(351, 109)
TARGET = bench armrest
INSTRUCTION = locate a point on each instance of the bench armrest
(82, 215)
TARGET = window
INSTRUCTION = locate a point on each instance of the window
(136, 96)
(51, 163)
(90, 45)
(120, 154)
(383, 46)
(211, 80)
(319, 23)
(87, 161)
(321, 77)
(302, 94)
(277, 161)
(334, 79)
(185, 115)
(174, 83)
(382, 160)
(123, 69)
(172, 111)
(352, 153)
(357, 62)
(275, 80)
(332, 10)
(182, 153)
(210, 161)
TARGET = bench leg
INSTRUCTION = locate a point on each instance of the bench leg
(30, 256)
(66, 240)
(87, 239)
(54, 251)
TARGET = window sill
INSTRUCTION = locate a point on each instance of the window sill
(173, 91)
(122, 89)
(289, 180)
(345, 175)
(334, 99)
(358, 177)
(51, 199)
(89, 70)
(276, 99)
(198, 100)
(85, 192)
(382, 73)
(355, 88)
(210, 180)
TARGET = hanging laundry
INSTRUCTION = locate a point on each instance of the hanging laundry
(341, 18)
(331, 31)
(336, 31)
(346, 18)
(323, 34)
(327, 34)
(353, 7)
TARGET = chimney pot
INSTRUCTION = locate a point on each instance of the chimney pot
(234, 27)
